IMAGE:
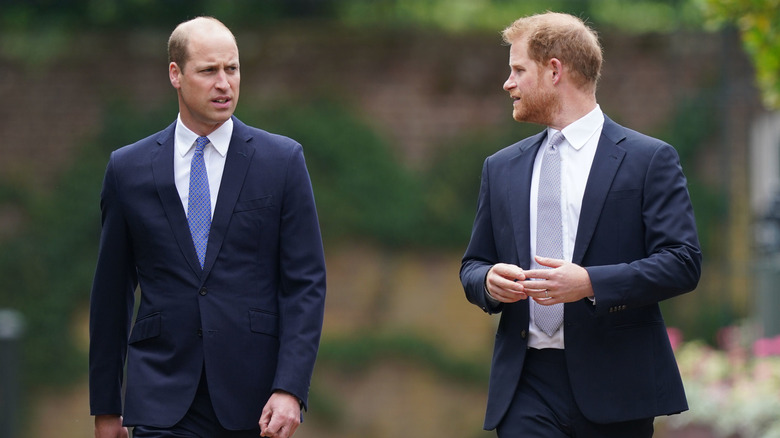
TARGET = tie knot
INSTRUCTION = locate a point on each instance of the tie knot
(556, 139)
(201, 143)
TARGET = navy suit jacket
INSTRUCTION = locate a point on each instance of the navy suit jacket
(636, 238)
(251, 318)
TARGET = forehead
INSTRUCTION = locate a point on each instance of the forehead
(518, 52)
(212, 46)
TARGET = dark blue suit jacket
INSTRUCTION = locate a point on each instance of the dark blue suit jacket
(636, 238)
(252, 316)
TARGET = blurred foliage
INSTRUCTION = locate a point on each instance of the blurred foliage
(692, 129)
(50, 263)
(48, 266)
(758, 22)
(355, 353)
(493, 15)
(361, 189)
(448, 15)
(35, 49)
(352, 356)
(364, 192)
(453, 180)
(123, 14)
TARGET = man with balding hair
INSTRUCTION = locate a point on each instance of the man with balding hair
(215, 222)
(580, 231)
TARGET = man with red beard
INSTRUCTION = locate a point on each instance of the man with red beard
(593, 222)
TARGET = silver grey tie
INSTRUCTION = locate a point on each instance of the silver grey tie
(549, 227)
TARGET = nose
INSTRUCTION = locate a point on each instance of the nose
(509, 83)
(222, 82)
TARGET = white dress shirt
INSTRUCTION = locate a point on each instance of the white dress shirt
(577, 152)
(213, 155)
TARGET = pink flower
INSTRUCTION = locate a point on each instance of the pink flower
(767, 347)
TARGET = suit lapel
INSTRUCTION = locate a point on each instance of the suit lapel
(239, 155)
(518, 195)
(605, 165)
(162, 169)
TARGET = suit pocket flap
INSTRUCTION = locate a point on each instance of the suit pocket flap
(263, 322)
(254, 204)
(147, 327)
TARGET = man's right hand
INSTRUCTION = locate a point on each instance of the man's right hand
(109, 426)
(502, 283)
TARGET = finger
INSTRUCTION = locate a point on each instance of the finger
(546, 301)
(506, 271)
(551, 263)
(539, 293)
(537, 285)
(279, 425)
(293, 428)
(502, 285)
(506, 295)
(268, 434)
(265, 419)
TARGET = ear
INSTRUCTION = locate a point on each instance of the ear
(174, 74)
(556, 68)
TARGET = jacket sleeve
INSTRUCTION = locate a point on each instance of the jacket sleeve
(111, 302)
(671, 263)
(481, 253)
(302, 295)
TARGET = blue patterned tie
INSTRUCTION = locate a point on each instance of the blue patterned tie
(199, 203)
(549, 228)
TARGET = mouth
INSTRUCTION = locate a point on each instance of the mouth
(222, 102)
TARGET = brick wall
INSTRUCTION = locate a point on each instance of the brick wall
(417, 89)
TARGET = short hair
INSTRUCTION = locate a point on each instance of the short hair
(563, 36)
(179, 39)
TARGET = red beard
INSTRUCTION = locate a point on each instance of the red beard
(536, 106)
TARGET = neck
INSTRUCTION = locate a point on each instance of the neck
(573, 110)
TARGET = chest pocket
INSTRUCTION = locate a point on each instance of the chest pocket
(254, 204)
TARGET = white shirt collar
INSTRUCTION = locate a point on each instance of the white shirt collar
(579, 132)
(220, 138)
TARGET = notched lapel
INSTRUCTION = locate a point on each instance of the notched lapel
(162, 168)
(518, 196)
(239, 156)
(605, 165)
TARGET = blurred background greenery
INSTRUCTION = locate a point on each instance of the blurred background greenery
(397, 103)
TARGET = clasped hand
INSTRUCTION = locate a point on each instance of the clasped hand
(563, 282)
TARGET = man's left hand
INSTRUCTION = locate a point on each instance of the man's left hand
(281, 416)
(564, 282)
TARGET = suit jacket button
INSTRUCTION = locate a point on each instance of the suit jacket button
(203, 291)
(200, 333)
(523, 334)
